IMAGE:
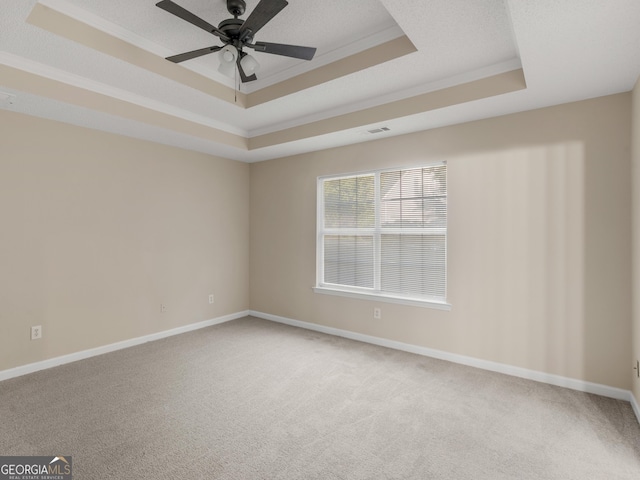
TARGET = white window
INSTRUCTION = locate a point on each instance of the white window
(383, 234)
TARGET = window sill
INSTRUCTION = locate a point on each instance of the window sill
(384, 298)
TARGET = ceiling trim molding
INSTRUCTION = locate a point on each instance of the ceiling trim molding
(49, 82)
(486, 87)
(68, 21)
(466, 77)
(383, 35)
(128, 36)
(370, 57)
(61, 24)
(57, 75)
(29, 81)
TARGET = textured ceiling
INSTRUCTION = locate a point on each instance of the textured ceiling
(568, 50)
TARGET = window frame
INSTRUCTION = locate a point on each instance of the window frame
(376, 232)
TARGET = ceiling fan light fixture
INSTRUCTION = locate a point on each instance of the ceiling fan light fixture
(228, 55)
(249, 64)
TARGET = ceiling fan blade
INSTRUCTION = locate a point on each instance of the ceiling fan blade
(178, 11)
(260, 16)
(193, 54)
(295, 51)
(243, 76)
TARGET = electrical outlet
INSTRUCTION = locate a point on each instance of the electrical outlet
(163, 308)
(377, 313)
(211, 299)
(36, 332)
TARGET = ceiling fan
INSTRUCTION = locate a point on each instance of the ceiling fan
(236, 35)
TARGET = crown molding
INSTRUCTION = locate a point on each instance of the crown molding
(384, 35)
(99, 23)
(51, 73)
(466, 77)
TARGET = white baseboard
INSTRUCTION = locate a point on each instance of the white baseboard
(548, 378)
(73, 357)
(635, 406)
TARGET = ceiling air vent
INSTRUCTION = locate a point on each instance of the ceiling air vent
(378, 130)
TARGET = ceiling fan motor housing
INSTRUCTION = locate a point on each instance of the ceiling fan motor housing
(231, 27)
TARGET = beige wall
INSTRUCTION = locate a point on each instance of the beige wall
(539, 240)
(635, 381)
(98, 230)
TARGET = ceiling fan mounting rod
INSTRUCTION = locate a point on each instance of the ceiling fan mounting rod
(236, 7)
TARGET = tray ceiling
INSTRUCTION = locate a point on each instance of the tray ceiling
(404, 64)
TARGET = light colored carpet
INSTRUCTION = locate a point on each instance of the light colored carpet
(251, 399)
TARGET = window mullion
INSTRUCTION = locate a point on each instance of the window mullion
(377, 248)
(320, 233)
(349, 231)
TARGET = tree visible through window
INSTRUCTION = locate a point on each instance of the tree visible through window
(384, 233)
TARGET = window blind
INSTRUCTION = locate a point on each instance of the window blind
(385, 233)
